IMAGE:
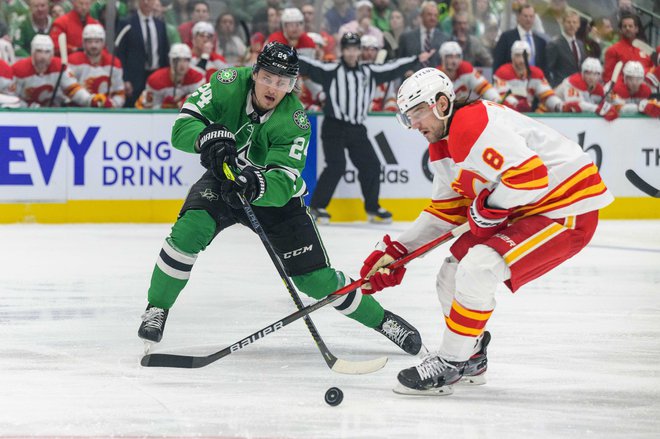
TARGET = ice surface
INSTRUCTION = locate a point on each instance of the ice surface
(575, 354)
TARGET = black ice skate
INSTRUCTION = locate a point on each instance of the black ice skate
(153, 324)
(434, 376)
(381, 216)
(475, 368)
(402, 333)
(321, 216)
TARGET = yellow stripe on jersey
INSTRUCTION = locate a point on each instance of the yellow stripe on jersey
(453, 210)
(532, 243)
(531, 174)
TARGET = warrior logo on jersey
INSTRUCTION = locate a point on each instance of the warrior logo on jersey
(227, 76)
(209, 195)
(300, 118)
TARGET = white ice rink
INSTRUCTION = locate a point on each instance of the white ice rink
(575, 354)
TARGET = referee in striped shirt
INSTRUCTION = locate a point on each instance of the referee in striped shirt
(349, 89)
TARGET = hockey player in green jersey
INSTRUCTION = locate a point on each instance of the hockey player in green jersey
(250, 119)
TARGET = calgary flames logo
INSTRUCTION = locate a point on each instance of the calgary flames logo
(40, 95)
(97, 84)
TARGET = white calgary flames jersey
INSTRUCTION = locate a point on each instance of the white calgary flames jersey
(36, 89)
(575, 89)
(95, 77)
(160, 90)
(213, 64)
(515, 87)
(469, 84)
(528, 167)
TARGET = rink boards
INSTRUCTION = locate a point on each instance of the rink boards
(119, 166)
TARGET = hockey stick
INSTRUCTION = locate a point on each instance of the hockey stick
(120, 37)
(604, 106)
(193, 362)
(642, 185)
(64, 57)
(333, 362)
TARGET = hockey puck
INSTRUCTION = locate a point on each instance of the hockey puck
(334, 396)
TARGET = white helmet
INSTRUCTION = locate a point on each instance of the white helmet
(450, 48)
(203, 27)
(592, 65)
(633, 69)
(41, 42)
(369, 41)
(292, 15)
(180, 50)
(519, 47)
(93, 31)
(423, 86)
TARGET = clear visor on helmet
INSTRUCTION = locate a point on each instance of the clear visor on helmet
(281, 83)
(415, 114)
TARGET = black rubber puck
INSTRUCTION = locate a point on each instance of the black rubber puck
(334, 396)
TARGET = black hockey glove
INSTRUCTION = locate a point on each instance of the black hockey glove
(216, 145)
(250, 183)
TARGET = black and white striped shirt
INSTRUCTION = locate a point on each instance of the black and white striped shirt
(349, 91)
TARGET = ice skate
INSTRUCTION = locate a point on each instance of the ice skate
(321, 216)
(381, 216)
(152, 326)
(475, 368)
(402, 333)
(434, 377)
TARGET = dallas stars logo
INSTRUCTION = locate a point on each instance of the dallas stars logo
(209, 195)
(227, 75)
(300, 118)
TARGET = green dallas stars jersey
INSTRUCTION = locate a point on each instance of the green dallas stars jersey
(276, 142)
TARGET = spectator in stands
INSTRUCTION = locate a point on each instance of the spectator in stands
(456, 7)
(274, 23)
(56, 11)
(583, 91)
(230, 45)
(519, 87)
(199, 11)
(143, 49)
(468, 82)
(7, 85)
(39, 22)
(293, 33)
(602, 32)
(257, 41)
(653, 76)
(341, 13)
(169, 87)
(72, 24)
(391, 38)
(428, 37)
(178, 13)
(204, 57)
(624, 50)
(380, 16)
(98, 7)
(631, 95)
(565, 52)
(552, 18)
(591, 46)
(510, 21)
(473, 51)
(329, 45)
(523, 32)
(491, 34)
(36, 79)
(262, 18)
(93, 66)
(173, 36)
(362, 24)
(483, 15)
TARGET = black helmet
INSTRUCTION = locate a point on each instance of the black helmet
(350, 39)
(279, 59)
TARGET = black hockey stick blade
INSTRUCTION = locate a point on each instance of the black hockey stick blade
(642, 185)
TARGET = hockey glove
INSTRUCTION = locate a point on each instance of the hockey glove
(216, 145)
(98, 100)
(650, 107)
(523, 106)
(571, 107)
(607, 111)
(250, 183)
(372, 268)
(486, 221)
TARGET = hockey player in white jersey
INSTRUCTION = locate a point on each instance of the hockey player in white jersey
(582, 92)
(530, 195)
(93, 66)
(468, 82)
(36, 78)
(204, 56)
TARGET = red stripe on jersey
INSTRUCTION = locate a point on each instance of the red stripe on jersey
(466, 129)
(438, 150)
(530, 174)
(452, 210)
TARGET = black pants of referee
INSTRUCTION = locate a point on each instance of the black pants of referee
(336, 136)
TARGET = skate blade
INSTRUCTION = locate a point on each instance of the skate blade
(440, 391)
(147, 347)
(376, 220)
(476, 380)
(322, 221)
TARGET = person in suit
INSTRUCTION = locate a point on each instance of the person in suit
(143, 49)
(426, 38)
(565, 53)
(523, 31)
